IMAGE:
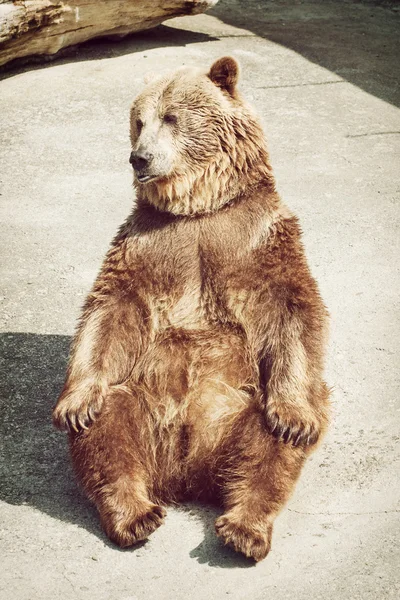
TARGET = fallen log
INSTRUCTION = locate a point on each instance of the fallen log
(40, 27)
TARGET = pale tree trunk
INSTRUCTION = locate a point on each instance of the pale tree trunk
(35, 27)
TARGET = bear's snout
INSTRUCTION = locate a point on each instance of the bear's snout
(140, 160)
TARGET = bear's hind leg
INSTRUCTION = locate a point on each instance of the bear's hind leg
(258, 476)
(116, 471)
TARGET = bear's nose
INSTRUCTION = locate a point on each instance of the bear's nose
(140, 160)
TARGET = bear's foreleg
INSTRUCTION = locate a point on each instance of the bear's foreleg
(258, 476)
(295, 397)
(110, 337)
(116, 469)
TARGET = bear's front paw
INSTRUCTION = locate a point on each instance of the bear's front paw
(292, 423)
(75, 410)
(254, 541)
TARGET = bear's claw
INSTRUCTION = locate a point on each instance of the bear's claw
(298, 432)
(71, 413)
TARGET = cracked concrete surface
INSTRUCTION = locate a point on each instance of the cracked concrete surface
(324, 76)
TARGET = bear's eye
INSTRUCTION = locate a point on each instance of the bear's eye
(170, 119)
(139, 125)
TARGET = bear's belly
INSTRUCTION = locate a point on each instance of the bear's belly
(193, 384)
(197, 373)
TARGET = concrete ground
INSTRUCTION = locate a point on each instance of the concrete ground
(324, 76)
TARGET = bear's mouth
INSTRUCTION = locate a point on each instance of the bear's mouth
(144, 178)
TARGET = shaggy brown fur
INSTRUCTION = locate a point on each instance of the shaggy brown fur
(196, 370)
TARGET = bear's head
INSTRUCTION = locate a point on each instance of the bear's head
(196, 145)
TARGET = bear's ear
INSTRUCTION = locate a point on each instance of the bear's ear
(224, 73)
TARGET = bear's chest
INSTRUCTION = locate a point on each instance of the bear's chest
(189, 276)
(197, 291)
(179, 308)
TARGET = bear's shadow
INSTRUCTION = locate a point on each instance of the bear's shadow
(34, 464)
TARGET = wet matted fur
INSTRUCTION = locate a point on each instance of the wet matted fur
(196, 370)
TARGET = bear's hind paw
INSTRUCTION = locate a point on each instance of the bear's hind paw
(127, 533)
(253, 542)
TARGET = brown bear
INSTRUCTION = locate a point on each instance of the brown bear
(196, 370)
